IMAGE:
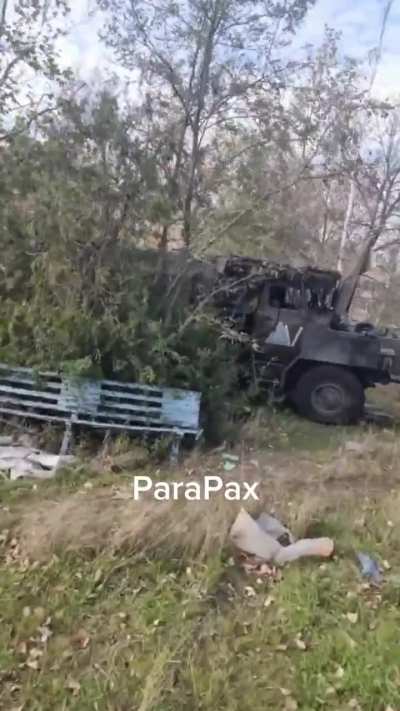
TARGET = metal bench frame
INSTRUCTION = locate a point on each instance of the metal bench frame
(103, 404)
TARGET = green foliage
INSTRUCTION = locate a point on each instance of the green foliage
(77, 293)
(29, 35)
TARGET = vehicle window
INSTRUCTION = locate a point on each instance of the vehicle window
(277, 296)
(318, 300)
(282, 297)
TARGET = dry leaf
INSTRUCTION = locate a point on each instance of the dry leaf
(35, 653)
(339, 673)
(285, 692)
(33, 664)
(40, 613)
(268, 601)
(45, 631)
(300, 644)
(249, 591)
(22, 648)
(73, 685)
(352, 617)
(81, 639)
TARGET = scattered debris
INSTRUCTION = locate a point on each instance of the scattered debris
(275, 528)
(18, 462)
(249, 536)
(370, 568)
(230, 461)
(257, 566)
(229, 466)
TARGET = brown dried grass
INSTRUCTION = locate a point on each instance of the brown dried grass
(95, 520)
(298, 491)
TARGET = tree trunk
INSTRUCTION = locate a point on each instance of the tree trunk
(346, 224)
(196, 124)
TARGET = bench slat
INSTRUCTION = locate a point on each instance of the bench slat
(32, 409)
(29, 393)
(97, 403)
(101, 425)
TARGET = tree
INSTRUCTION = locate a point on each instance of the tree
(72, 204)
(284, 192)
(29, 30)
(212, 64)
(377, 184)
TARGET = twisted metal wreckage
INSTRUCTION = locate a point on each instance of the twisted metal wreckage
(296, 330)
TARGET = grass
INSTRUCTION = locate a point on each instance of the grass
(131, 612)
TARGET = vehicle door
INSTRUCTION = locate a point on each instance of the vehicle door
(280, 320)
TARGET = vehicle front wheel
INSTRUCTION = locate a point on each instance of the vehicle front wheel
(329, 394)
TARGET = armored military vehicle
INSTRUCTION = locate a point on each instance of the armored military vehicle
(298, 338)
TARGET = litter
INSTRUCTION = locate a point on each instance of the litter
(249, 536)
(230, 461)
(27, 462)
(230, 457)
(275, 528)
(369, 568)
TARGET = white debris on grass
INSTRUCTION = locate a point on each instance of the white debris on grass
(20, 462)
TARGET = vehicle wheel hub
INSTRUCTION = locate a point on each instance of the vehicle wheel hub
(328, 398)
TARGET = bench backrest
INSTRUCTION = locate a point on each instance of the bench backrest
(98, 403)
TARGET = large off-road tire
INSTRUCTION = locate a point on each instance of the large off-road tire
(329, 394)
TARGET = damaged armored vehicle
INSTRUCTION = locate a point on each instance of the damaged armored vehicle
(298, 338)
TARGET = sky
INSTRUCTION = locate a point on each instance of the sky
(359, 21)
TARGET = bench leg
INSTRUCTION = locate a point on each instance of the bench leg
(175, 449)
(67, 439)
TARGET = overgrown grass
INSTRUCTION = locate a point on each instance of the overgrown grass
(152, 634)
(175, 627)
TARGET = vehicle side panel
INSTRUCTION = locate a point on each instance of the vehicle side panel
(328, 345)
